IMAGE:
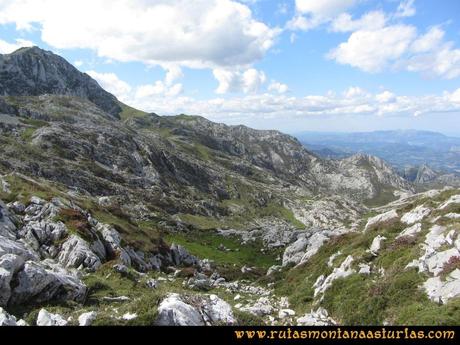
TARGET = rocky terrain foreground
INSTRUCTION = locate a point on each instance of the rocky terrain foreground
(113, 216)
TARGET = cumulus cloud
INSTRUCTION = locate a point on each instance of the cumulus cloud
(354, 101)
(128, 94)
(202, 33)
(310, 14)
(370, 21)
(111, 83)
(249, 81)
(372, 50)
(406, 9)
(278, 87)
(7, 48)
(374, 47)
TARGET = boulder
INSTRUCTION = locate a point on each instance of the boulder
(75, 252)
(46, 318)
(381, 218)
(320, 317)
(178, 310)
(344, 270)
(261, 307)
(416, 215)
(441, 291)
(285, 313)
(181, 257)
(411, 231)
(39, 284)
(376, 244)
(7, 319)
(9, 246)
(10, 264)
(87, 319)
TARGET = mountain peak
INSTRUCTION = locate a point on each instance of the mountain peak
(32, 71)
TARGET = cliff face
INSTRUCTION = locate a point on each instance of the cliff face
(33, 72)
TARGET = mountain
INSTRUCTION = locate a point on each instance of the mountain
(401, 148)
(33, 72)
(129, 218)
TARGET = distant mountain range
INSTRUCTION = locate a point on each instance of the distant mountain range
(401, 148)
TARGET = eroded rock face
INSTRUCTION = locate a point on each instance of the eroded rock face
(305, 247)
(75, 252)
(416, 215)
(178, 310)
(382, 218)
(441, 291)
(10, 264)
(344, 270)
(39, 284)
(33, 71)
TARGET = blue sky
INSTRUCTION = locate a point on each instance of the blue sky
(331, 65)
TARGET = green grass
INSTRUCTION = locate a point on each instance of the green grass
(128, 112)
(22, 190)
(204, 244)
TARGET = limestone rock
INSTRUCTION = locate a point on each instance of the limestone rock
(75, 252)
(46, 318)
(344, 270)
(35, 283)
(441, 291)
(178, 310)
(10, 264)
(320, 317)
(87, 319)
(416, 215)
(376, 244)
(411, 231)
(381, 218)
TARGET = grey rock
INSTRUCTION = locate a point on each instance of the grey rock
(46, 318)
(75, 252)
(35, 283)
(86, 319)
(177, 310)
(33, 71)
(10, 264)
(181, 257)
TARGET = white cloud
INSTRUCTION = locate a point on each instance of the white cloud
(278, 87)
(249, 81)
(431, 40)
(455, 96)
(385, 97)
(406, 9)
(78, 63)
(354, 91)
(374, 46)
(201, 33)
(311, 13)
(111, 83)
(281, 106)
(132, 95)
(371, 51)
(173, 73)
(370, 21)
(7, 48)
(324, 8)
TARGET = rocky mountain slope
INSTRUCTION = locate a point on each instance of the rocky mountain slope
(110, 215)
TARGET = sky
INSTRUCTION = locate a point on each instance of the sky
(291, 65)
